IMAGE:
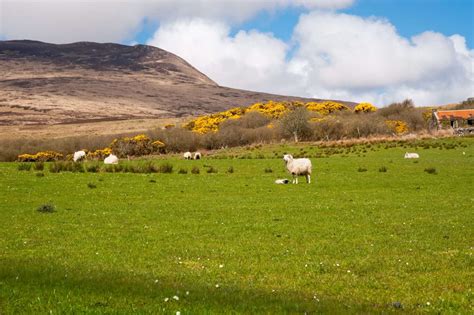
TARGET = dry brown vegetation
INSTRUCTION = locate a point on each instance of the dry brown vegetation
(251, 128)
(90, 82)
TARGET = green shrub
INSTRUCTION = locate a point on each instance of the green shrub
(66, 166)
(211, 170)
(24, 166)
(93, 168)
(230, 170)
(165, 168)
(40, 174)
(195, 170)
(53, 168)
(183, 171)
(91, 185)
(382, 169)
(361, 169)
(39, 166)
(46, 208)
(268, 170)
(431, 170)
(149, 167)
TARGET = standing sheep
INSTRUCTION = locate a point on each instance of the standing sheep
(188, 156)
(197, 156)
(79, 155)
(298, 167)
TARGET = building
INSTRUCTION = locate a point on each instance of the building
(461, 118)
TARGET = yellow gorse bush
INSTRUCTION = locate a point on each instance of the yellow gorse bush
(398, 126)
(205, 124)
(99, 154)
(325, 108)
(136, 146)
(365, 108)
(158, 144)
(43, 156)
(272, 109)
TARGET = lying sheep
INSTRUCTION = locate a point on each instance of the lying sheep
(79, 155)
(188, 156)
(298, 167)
(282, 181)
(197, 156)
(111, 159)
(411, 155)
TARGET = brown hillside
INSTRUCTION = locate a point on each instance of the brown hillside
(86, 82)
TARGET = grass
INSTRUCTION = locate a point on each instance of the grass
(350, 242)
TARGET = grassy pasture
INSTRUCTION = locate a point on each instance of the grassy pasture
(393, 236)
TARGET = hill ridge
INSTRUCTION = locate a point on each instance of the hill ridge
(45, 83)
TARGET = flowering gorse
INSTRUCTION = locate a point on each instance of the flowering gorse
(365, 108)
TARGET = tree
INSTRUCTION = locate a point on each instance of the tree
(295, 124)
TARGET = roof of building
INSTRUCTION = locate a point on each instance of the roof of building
(459, 114)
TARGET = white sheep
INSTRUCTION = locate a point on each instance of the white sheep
(79, 155)
(197, 156)
(282, 181)
(411, 155)
(188, 156)
(298, 167)
(111, 159)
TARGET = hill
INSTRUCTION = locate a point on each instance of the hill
(45, 84)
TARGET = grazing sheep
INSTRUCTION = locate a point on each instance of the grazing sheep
(411, 155)
(197, 156)
(111, 159)
(282, 181)
(188, 156)
(79, 155)
(298, 167)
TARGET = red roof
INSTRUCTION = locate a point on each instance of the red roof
(459, 114)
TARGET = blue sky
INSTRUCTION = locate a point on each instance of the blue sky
(410, 17)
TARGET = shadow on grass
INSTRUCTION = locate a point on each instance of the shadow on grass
(25, 283)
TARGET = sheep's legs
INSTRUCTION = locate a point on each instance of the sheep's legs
(308, 179)
(295, 179)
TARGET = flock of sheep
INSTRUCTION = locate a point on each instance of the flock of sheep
(296, 167)
(190, 156)
(81, 155)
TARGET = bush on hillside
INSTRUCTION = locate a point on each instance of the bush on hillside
(365, 108)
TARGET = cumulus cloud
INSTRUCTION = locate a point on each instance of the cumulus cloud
(334, 55)
(63, 21)
(349, 55)
(248, 59)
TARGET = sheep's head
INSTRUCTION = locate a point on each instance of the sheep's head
(287, 158)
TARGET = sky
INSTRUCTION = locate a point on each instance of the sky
(381, 51)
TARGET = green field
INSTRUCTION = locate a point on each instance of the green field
(353, 241)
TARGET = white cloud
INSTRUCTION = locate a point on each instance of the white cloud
(335, 56)
(248, 59)
(63, 21)
(350, 56)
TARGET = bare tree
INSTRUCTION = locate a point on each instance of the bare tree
(295, 124)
